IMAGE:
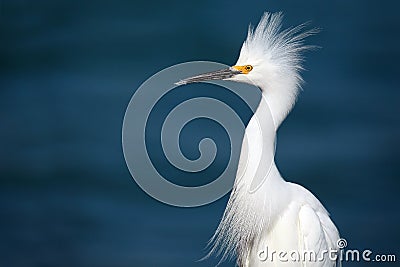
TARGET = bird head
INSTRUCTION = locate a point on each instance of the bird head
(269, 57)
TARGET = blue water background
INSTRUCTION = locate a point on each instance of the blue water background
(69, 69)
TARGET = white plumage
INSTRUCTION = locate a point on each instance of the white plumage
(279, 216)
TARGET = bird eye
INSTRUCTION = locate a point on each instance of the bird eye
(248, 67)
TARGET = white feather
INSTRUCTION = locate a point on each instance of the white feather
(279, 214)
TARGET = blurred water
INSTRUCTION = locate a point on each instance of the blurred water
(68, 71)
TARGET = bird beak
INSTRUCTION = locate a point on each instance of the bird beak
(215, 75)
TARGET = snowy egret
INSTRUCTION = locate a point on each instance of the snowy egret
(280, 223)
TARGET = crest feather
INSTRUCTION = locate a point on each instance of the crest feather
(283, 47)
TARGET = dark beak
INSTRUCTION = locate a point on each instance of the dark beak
(215, 75)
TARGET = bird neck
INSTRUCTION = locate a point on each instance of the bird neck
(280, 97)
(257, 161)
(259, 192)
(258, 149)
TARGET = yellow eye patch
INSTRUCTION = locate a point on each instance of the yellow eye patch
(244, 69)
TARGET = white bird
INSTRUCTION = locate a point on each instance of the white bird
(280, 223)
